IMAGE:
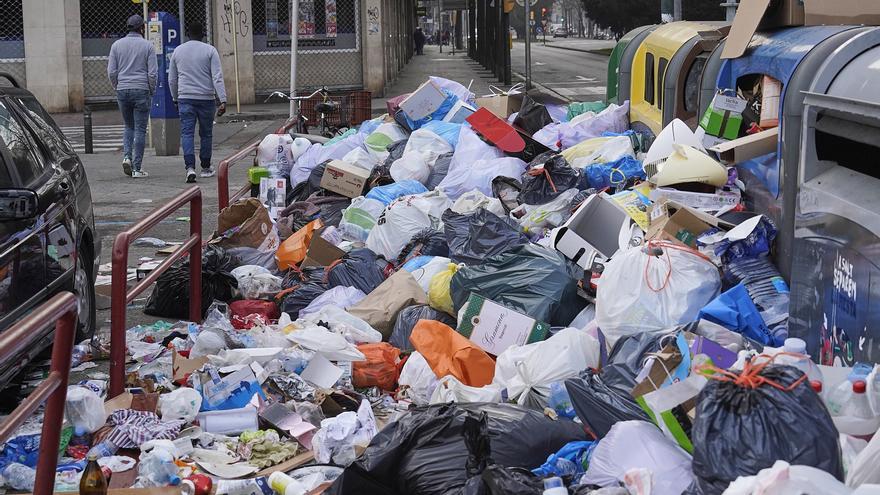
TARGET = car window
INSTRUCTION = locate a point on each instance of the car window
(18, 147)
(46, 128)
(5, 178)
(649, 78)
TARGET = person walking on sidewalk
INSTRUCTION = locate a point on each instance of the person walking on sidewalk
(196, 81)
(419, 39)
(132, 69)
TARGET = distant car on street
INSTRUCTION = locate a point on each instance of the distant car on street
(48, 241)
(560, 32)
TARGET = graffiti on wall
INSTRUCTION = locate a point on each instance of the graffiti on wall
(373, 21)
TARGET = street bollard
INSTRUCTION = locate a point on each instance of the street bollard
(87, 129)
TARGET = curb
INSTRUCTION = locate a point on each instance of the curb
(593, 52)
(543, 88)
(251, 117)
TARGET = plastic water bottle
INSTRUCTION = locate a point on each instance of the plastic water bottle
(767, 289)
(282, 484)
(858, 405)
(103, 449)
(554, 486)
(20, 477)
(157, 468)
(560, 401)
(803, 363)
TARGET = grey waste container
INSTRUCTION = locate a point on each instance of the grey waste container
(835, 277)
(624, 78)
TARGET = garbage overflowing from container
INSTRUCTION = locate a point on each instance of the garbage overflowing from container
(477, 295)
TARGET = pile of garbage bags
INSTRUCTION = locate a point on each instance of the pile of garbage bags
(479, 295)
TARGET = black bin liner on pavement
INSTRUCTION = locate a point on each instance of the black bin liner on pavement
(474, 237)
(407, 319)
(426, 242)
(739, 430)
(530, 279)
(532, 116)
(170, 296)
(300, 296)
(600, 406)
(359, 268)
(540, 186)
(425, 452)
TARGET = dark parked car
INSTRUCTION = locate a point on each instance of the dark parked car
(48, 241)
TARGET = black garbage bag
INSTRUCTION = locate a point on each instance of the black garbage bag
(401, 120)
(309, 186)
(506, 189)
(579, 198)
(740, 430)
(532, 116)
(439, 171)
(600, 406)
(476, 236)
(407, 319)
(627, 359)
(295, 298)
(425, 452)
(170, 296)
(359, 268)
(542, 185)
(395, 151)
(244, 255)
(426, 242)
(529, 278)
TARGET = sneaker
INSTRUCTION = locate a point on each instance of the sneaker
(126, 166)
(208, 172)
(139, 174)
(190, 175)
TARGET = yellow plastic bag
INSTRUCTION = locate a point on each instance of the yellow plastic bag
(439, 296)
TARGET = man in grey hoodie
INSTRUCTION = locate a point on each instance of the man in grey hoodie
(133, 69)
(195, 78)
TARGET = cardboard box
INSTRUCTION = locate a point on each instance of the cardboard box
(669, 219)
(752, 15)
(344, 178)
(706, 202)
(596, 227)
(748, 147)
(494, 327)
(501, 105)
(723, 119)
(423, 101)
(819, 12)
(182, 366)
(321, 252)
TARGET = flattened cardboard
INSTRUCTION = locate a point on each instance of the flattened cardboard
(668, 218)
(819, 12)
(423, 101)
(182, 366)
(344, 178)
(322, 252)
(752, 15)
(747, 147)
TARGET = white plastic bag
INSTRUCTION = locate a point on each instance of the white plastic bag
(299, 147)
(275, 151)
(651, 293)
(865, 468)
(449, 389)
(529, 370)
(613, 119)
(359, 218)
(255, 282)
(84, 410)
(360, 157)
(183, 403)
(785, 479)
(404, 218)
(387, 133)
(470, 150)
(417, 379)
(354, 329)
(639, 444)
(607, 150)
(419, 156)
(454, 87)
(340, 296)
(319, 154)
(471, 201)
(425, 273)
(331, 345)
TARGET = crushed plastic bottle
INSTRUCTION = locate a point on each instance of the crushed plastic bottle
(767, 289)
(560, 401)
(19, 476)
(157, 468)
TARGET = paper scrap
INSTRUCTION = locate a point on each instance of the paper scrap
(321, 372)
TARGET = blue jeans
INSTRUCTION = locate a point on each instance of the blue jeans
(135, 107)
(190, 112)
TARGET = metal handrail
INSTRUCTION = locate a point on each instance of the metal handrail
(121, 295)
(62, 310)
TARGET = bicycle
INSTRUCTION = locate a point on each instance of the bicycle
(323, 109)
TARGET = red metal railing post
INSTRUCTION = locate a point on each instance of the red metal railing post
(53, 417)
(195, 260)
(118, 304)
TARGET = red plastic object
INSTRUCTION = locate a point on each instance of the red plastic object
(497, 131)
(121, 295)
(250, 312)
(60, 310)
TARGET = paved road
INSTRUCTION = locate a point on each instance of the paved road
(574, 75)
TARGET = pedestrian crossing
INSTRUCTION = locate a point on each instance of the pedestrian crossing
(104, 137)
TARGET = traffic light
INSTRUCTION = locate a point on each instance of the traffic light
(543, 11)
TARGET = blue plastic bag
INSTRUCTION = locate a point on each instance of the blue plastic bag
(613, 174)
(447, 130)
(387, 194)
(756, 244)
(560, 401)
(736, 311)
(571, 460)
(438, 114)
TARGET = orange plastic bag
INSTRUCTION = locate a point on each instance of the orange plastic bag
(450, 353)
(293, 250)
(380, 368)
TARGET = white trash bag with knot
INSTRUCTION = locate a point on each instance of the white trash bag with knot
(255, 282)
(84, 410)
(183, 403)
(652, 288)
